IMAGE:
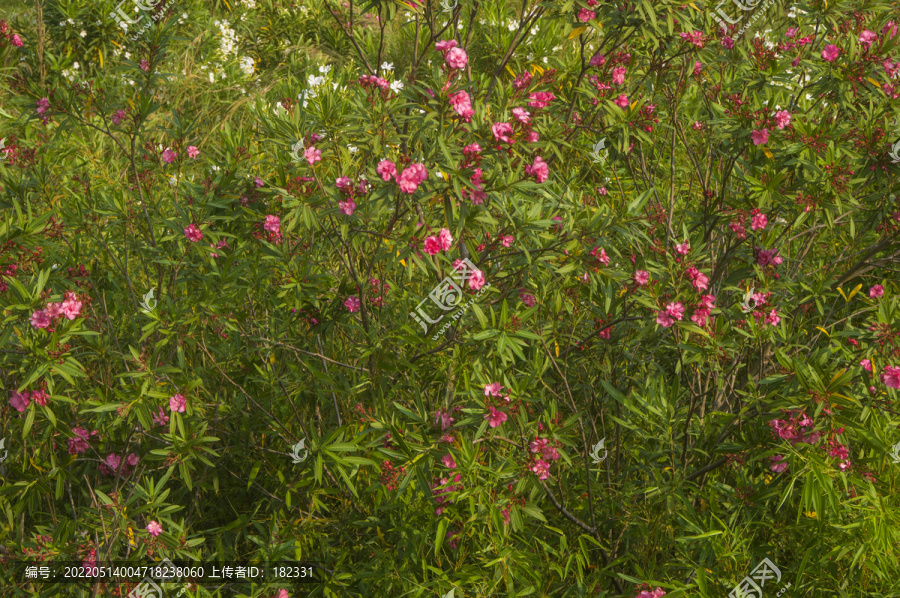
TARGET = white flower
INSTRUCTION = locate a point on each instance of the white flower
(396, 86)
(314, 81)
(72, 21)
(387, 66)
(544, 59)
(75, 65)
(83, 33)
(127, 55)
(353, 149)
(212, 77)
(325, 70)
(512, 25)
(247, 65)
(557, 48)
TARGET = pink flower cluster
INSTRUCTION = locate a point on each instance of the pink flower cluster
(601, 256)
(69, 308)
(178, 403)
(454, 56)
(704, 309)
(695, 37)
(193, 233)
(657, 593)
(539, 170)
(758, 220)
(791, 429)
(352, 304)
(495, 418)
(891, 376)
(409, 180)
(81, 442)
(698, 279)
(111, 463)
(768, 257)
(462, 105)
(443, 419)
(667, 317)
(441, 242)
(441, 494)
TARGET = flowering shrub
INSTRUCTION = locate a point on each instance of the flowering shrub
(197, 273)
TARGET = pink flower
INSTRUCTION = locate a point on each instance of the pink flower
(16, 40)
(145, 65)
(876, 291)
(432, 245)
(830, 52)
(541, 468)
(890, 377)
(160, 418)
(618, 75)
(40, 397)
(20, 401)
(867, 37)
(698, 68)
(312, 155)
(782, 119)
(676, 310)
(448, 461)
(767, 257)
(727, 43)
(602, 257)
(539, 170)
(683, 248)
(541, 99)
(708, 302)
(664, 319)
(758, 221)
(598, 60)
(698, 279)
(168, 156)
(43, 105)
(492, 389)
(272, 223)
(495, 418)
(641, 277)
(462, 104)
(778, 464)
(456, 58)
(527, 299)
(71, 307)
(283, 594)
(119, 116)
(342, 183)
(193, 233)
(539, 445)
(386, 169)
(505, 513)
(347, 207)
(760, 137)
(585, 15)
(444, 419)
(411, 177)
(258, 182)
(866, 365)
(791, 32)
(445, 238)
(154, 528)
(534, 137)
(39, 319)
(476, 281)
(507, 240)
(621, 101)
(352, 304)
(502, 132)
(79, 444)
(445, 45)
(178, 403)
(193, 152)
(773, 318)
(522, 115)
(110, 465)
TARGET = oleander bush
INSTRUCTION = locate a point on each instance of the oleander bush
(454, 299)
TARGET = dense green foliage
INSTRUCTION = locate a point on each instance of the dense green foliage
(712, 292)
